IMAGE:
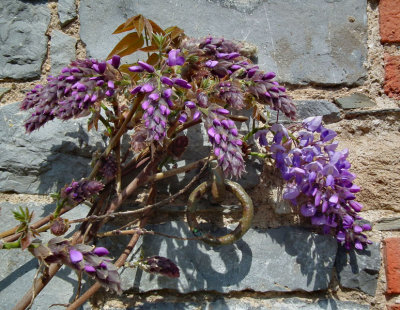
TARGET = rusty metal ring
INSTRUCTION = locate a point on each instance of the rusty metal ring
(244, 222)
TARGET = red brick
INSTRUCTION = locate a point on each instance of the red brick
(389, 21)
(392, 265)
(392, 76)
(393, 307)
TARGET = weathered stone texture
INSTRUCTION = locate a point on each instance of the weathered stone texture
(391, 223)
(354, 101)
(22, 38)
(66, 11)
(392, 76)
(251, 304)
(389, 21)
(255, 262)
(359, 269)
(327, 48)
(62, 51)
(47, 159)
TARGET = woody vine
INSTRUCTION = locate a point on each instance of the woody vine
(184, 82)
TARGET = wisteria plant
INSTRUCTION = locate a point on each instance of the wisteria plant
(183, 82)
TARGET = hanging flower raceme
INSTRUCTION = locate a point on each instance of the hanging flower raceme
(71, 93)
(83, 258)
(79, 191)
(319, 180)
(224, 137)
(160, 265)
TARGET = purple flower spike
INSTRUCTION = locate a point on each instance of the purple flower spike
(75, 256)
(182, 83)
(174, 59)
(313, 123)
(136, 69)
(90, 269)
(211, 63)
(190, 104)
(167, 81)
(146, 66)
(147, 88)
(115, 61)
(100, 251)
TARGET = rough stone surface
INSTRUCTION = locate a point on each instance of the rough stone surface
(251, 304)
(354, 101)
(62, 51)
(255, 262)
(373, 153)
(359, 269)
(392, 265)
(3, 91)
(18, 269)
(389, 21)
(22, 38)
(308, 108)
(66, 11)
(332, 53)
(47, 159)
(392, 76)
(391, 223)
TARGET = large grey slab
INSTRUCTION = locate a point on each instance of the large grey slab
(47, 159)
(18, 268)
(62, 51)
(283, 259)
(251, 304)
(309, 41)
(355, 101)
(23, 42)
(359, 269)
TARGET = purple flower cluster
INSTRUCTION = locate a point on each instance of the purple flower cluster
(232, 94)
(92, 260)
(225, 139)
(160, 265)
(78, 191)
(319, 180)
(109, 167)
(71, 93)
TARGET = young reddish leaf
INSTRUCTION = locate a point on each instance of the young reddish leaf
(153, 59)
(151, 48)
(128, 45)
(26, 240)
(139, 24)
(128, 25)
(156, 28)
(149, 28)
(174, 31)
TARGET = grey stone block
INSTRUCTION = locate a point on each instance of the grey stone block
(66, 11)
(18, 268)
(3, 91)
(255, 262)
(310, 41)
(359, 269)
(47, 159)
(62, 51)
(355, 101)
(391, 223)
(308, 108)
(23, 25)
(252, 304)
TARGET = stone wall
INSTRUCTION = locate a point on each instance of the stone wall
(337, 58)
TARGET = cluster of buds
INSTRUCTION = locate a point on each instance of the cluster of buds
(71, 93)
(79, 191)
(159, 265)
(224, 137)
(83, 258)
(109, 167)
(319, 180)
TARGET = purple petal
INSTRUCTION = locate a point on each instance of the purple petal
(90, 269)
(136, 69)
(167, 81)
(146, 66)
(100, 251)
(75, 256)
